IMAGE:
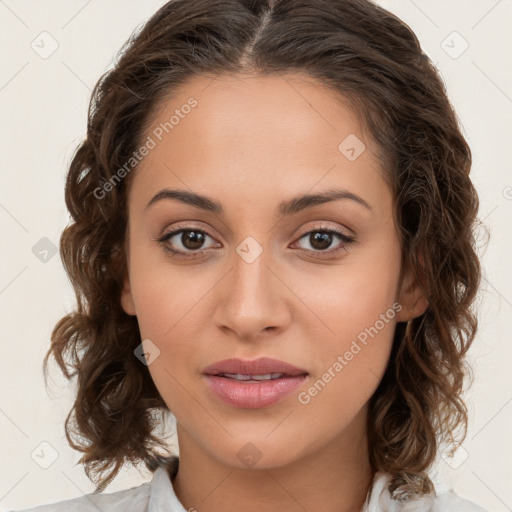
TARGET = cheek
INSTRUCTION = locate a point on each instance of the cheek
(346, 301)
(355, 312)
(168, 297)
(352, 356)
(170, 302)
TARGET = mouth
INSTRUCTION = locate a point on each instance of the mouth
(251, 378)
(253, 384)
(264, 368)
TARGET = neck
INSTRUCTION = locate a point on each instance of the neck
(334, 478)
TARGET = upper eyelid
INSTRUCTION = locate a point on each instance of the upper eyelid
(176, 231)
(319, 227)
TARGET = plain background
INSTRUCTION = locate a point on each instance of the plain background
(43, 104)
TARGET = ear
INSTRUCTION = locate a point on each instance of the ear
(412, 298)
(127, 302)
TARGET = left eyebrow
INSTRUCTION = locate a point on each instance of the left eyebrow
(285, 208)
(308, 200)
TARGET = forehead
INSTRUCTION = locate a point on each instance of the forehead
(258, 133)
(293, 106)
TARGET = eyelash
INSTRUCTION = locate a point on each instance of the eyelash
(347, 241)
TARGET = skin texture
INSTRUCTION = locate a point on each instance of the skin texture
(250, 143)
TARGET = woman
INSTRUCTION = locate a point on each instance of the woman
(272, 240)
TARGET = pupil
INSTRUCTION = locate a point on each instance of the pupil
(320, 240)
(192, 239)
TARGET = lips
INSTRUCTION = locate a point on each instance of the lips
(263, 366)
(253, 384)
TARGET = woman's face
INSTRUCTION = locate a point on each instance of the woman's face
(262, 270)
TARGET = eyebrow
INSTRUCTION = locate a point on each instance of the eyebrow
(285, 208)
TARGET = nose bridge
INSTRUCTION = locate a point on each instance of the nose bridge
(251, 295)
(251, 283)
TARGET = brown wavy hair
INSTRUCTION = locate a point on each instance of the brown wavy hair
(371, 57)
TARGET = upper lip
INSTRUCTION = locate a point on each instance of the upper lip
(261, 366)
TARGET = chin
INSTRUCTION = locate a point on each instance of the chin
(256, 454)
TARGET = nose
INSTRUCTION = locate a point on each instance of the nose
(252, 300)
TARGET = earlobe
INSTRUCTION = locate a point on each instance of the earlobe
(126, 297)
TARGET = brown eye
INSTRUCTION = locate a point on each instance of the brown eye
(192, 240)
(185, 241)
(320, 240)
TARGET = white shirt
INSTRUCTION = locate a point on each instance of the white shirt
(158, 496)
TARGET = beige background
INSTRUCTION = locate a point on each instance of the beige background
(43, 105)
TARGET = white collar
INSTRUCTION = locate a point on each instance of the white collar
(379, 498)
(162, 495)
(163, 498)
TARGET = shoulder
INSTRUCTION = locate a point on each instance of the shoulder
(444, 499)
(134, 499)
(448, 501)
(157, 494)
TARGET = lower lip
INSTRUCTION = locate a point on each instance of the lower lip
(253, 395)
